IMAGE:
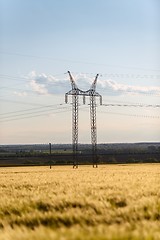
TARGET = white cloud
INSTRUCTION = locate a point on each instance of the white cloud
(38, 87)
(38, 83)
(48, 84)
(20, 94)
(118, 88)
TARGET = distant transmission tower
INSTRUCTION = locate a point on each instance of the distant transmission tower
(75, 92)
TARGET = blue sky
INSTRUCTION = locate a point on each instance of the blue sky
(41, 40)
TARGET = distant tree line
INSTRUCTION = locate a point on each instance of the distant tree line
(62, 154)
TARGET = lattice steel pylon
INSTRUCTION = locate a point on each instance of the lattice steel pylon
(75, 92)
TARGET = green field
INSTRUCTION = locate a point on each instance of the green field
(110, 202)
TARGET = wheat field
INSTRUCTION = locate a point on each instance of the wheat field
(108, 202)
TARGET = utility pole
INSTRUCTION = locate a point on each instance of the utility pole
(50, 154)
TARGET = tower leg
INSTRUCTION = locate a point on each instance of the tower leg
(93, 130)
(75, 129)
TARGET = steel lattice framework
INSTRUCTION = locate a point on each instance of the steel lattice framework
(75, 92)
(93, 94)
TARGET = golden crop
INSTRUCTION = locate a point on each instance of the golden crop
(110, 202)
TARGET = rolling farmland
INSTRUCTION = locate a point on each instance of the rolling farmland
(111, 202)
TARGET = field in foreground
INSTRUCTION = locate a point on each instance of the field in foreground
(110, 202)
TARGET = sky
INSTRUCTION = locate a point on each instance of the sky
(41, 40)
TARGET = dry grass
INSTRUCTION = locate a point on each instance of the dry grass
(111, 202)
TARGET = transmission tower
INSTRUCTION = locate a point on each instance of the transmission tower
(75, 92)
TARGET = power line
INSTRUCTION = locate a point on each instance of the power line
(131, 115)
(35, 115)
(24, 78)
(23, 103)
(126, 92)
(123, 102)
(107, 91)
(112, 91)
(75, 61)
(132, 105)
(31, 109)
(122, 75)
(47, 111)
(11, 115)
(109, 75)
(27, 80)
(18, 116)
(127, 114)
